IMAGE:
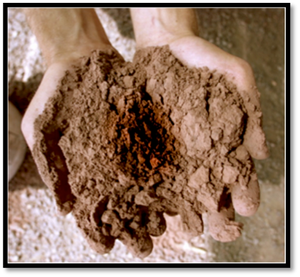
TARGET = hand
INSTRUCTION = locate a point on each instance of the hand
(194, 51)
(44, 129)
(62, 44)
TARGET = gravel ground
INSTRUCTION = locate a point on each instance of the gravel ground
(37, 234)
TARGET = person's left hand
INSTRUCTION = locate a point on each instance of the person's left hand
(194, 51)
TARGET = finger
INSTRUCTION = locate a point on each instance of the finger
(192, 221)
(139, 243)
(94, 235)
(254, 137)
(246, 199)
(222, 226)
(255, 140)
(156, 225)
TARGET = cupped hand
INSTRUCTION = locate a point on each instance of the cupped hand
(52, 157)
(194, 51)
(46, 126)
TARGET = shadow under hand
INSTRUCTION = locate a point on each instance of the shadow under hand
(20, 94)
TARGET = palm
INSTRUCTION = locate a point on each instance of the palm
(196, 52)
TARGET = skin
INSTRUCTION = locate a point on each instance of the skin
(64, 35)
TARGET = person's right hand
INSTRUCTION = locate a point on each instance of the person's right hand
(43, 127)
(64, 35)
(73, 34)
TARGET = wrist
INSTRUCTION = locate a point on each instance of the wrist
(66, 34)
(157, 27)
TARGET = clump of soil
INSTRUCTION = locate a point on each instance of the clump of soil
(121, 143)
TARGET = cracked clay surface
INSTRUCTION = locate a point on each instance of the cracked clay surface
(122, 143)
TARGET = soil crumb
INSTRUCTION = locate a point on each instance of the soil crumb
(122, 143)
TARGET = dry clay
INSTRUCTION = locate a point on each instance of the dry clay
(121, 143)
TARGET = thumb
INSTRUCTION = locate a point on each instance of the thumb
(254, 137)
(43, 140)
(53, 169)
(255, 140)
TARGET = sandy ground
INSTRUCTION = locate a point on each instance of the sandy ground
(37, 234)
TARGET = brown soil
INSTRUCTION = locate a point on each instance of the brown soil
(122, 143)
